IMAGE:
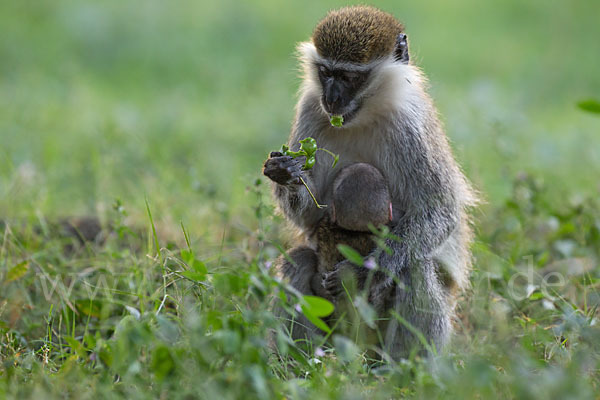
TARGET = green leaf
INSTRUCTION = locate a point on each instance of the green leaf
(197, 271)
(199, 267)
(537, 296)
(350, 254)
(336, 120)
(317, 306)
(309, 145)
(194, 276)
(230, 340)
(162, 362)
(106, 354)
(590, 105)
(365, 310)
(76, 347)
(318, 322)
(310, 162)
(17, 271)
(187, 256)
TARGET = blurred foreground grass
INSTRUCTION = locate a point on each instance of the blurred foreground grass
(104, 105)
(123, 320)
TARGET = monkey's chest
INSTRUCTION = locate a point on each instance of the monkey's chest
(329, 236)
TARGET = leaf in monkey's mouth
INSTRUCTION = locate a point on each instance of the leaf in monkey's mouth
(336, 120)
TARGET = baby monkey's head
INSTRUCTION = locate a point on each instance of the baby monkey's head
(361, 197)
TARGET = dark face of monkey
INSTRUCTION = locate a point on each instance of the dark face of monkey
(343, 83)
(351, 43)
(340, 87)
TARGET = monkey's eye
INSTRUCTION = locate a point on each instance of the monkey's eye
(324, 71)
(351, 76)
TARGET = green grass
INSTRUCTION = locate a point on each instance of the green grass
(107, 108)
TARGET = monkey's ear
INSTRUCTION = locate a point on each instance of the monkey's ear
(401, 50)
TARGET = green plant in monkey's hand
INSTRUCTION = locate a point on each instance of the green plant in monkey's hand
(308, 149)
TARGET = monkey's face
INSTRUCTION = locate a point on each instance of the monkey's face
(341, 86)
(350, 44)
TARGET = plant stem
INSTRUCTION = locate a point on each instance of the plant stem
(312, 195)
(335, 156)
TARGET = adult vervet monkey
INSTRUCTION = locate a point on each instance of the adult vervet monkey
(356, 66)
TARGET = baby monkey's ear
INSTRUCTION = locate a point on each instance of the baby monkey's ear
(401, 51)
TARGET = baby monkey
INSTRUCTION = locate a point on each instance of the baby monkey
(360, 198)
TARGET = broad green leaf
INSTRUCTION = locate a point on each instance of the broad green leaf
(318, 322)
(199, 267)
(17, 271)
(162, 362)
(187, 256)
(350, 254)
(194, 276)
(106, 354)
(336, 120)
(317, 306)
(231, 340)
(537, 296)
(590, 105)
(197, 272)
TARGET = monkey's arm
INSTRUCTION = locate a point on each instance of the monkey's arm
(419, 235)
(430, 214)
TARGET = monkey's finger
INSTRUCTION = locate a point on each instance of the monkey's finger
(295, 173)
(332, 284)
(287, 161)
(276, 162)
(280, 162)
(279, 175)
(293, 166)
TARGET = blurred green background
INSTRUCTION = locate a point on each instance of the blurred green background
(181, 101)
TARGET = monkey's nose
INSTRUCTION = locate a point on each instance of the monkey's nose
(333, 98)
(330, 105)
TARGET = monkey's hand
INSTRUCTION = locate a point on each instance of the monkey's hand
(345, 276)
(283, 170)
(348, 278)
